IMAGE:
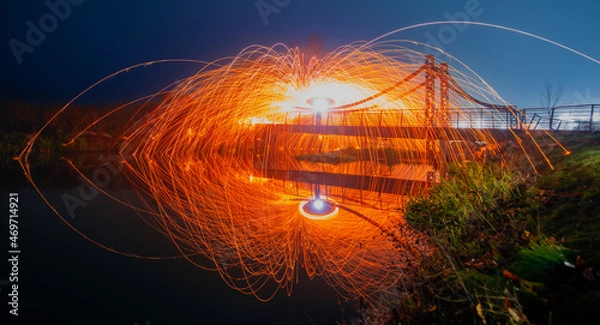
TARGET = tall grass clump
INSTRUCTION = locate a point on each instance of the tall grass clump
(475, 210)
(539, 260)
(477, 217)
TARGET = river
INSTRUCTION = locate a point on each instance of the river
(66, 279)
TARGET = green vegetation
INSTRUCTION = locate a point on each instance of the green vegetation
(478, 218)
(487, 202)
(538, 260)
(512, 247)
(10, 146)
(571, 198)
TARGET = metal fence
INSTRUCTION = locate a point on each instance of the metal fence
(585, 117)
(582, 118)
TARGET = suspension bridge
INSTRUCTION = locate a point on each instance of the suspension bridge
(423, 134)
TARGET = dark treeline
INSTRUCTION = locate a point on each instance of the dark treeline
(24, 117)
(20, 120)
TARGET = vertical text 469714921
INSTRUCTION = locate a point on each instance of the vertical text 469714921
(13, 253)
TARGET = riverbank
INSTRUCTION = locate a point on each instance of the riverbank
(514, 246)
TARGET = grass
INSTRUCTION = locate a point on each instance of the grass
(477, 218)
(539, 260)
(472, 212)
(571, 198)
(503, 237)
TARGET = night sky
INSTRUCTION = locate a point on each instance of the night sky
(97, 38)
(52, 50)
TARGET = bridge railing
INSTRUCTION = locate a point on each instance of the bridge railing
(584, 117)
(483, 118)
(460, 118)
(581, 117)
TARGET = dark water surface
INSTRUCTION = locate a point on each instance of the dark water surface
(65, 279)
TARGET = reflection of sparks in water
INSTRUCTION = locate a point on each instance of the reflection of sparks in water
(205, 154)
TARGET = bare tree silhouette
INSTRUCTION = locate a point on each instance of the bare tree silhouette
(551, 96)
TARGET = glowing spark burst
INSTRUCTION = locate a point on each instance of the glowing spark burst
(320, 104)
(215, 128)
(236, 185)
(207, 157)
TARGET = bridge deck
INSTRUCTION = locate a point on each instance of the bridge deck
(359, 182)
(390, 132)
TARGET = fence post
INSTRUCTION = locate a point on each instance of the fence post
(551, 119)
(481, 117)
(592, 119)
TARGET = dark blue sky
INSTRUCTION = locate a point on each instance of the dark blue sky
(99, 37)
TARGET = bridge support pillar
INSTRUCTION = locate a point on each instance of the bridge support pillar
(444, 115)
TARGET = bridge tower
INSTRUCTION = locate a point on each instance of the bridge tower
(430, 137)
(444, 114)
